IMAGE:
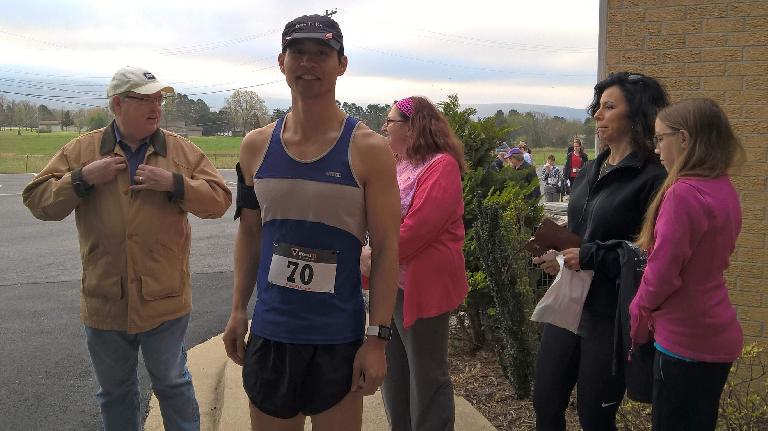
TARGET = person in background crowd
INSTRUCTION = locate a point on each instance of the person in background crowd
(523, 145)
(690, 231)
(498, 162)
(607, 203)
(418, 393)
(131, 185)
(552, 179)
(574, 162)
(516, 160)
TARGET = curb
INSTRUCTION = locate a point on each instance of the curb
(224, 405)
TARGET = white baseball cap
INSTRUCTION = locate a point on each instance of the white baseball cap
(137, 80)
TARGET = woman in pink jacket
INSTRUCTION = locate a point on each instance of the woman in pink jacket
(418, 393)
(690, 232)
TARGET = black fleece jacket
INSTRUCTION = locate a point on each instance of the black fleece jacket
(609, 208)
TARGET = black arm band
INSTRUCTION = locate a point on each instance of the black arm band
(82, 189)
(246, 197)
(177, 195)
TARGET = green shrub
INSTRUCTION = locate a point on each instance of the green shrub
(504, 223)
(498, 219)
(743, 404)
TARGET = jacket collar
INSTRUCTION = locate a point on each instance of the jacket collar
(108, 141)
(632, 160)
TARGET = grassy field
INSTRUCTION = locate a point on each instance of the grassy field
(30, 151)
(540, 155)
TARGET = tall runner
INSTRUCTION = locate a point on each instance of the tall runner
(310, 186)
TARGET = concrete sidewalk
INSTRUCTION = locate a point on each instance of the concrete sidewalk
(224, 405)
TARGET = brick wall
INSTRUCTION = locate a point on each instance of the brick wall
(701, 48)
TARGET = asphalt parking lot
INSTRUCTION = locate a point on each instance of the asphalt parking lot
(46, 379)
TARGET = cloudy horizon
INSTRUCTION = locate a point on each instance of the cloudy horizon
(541, 53)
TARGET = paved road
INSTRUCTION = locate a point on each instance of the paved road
(46, 379)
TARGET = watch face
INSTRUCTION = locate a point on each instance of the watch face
(383, 332)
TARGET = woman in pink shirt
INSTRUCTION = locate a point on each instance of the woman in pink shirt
(690, 231)
(417, 391)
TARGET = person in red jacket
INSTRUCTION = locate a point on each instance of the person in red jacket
(417, 391)
(574, 161)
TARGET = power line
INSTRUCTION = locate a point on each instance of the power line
(202, 47)
(235, 89)
(504, 45)
(49, 98)
(467, 39)
(462, 66)
(22, 84)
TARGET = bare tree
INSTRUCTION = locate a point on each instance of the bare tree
(25, 114)
(246, 110)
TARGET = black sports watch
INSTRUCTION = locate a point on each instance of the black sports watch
(380, 331)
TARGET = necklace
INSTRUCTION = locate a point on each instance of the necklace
(604, 168)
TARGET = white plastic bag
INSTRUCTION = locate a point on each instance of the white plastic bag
(561, 305)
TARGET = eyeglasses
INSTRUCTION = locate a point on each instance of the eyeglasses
(389, 121)
(660, 136)
(148, 100)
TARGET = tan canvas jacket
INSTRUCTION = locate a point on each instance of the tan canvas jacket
(134, 245)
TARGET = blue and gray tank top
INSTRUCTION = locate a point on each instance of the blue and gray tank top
(313, 228)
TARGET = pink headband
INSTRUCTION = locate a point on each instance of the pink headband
(405, 106)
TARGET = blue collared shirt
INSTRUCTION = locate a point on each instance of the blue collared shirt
(134, 158)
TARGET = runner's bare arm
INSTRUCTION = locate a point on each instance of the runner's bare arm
(247, 247)
(375, 167)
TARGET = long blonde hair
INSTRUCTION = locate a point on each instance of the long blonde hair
(712, 149)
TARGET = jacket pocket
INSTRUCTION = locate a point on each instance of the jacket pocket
(164, 271)
(165, 286)
(95, 286)
(99, 277)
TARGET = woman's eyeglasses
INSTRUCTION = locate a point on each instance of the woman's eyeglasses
(389, 121)
(660, 136)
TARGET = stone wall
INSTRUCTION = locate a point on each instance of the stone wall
(701, 48)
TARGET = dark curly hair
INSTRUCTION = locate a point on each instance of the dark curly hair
(645, 97)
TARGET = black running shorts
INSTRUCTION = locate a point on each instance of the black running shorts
(283, 380)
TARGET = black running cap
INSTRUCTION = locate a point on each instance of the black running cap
(314, 27)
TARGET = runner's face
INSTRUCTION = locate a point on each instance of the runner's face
(311, 67)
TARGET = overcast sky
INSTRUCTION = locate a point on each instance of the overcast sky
(540, 52)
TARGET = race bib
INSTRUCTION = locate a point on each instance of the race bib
(303, 268)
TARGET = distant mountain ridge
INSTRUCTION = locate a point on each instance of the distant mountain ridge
(489, 109)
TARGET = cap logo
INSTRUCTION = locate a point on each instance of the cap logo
(148, 76)
(328, 36)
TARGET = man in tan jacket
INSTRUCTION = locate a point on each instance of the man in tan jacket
(131, 186)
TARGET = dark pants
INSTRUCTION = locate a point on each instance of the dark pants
(686, 395)
(417, 392)
(566, 360)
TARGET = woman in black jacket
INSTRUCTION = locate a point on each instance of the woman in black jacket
(607, 203)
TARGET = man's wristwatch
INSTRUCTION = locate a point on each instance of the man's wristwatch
(380, 331)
